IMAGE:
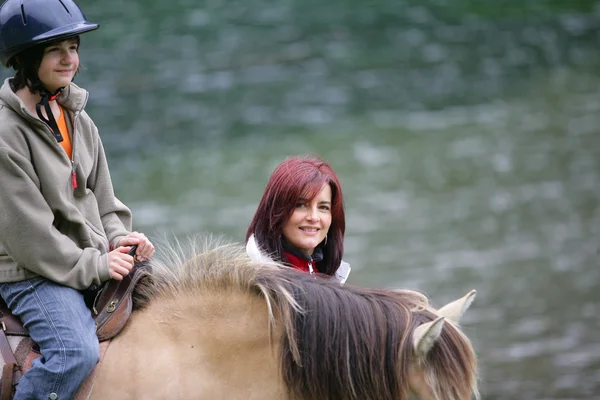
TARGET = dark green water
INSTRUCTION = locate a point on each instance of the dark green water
(466, 136)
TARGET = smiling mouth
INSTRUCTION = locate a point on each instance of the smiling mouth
(310, 230)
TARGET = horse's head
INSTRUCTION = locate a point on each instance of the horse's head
(442, 358)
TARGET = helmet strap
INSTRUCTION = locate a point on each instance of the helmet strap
(45, 102)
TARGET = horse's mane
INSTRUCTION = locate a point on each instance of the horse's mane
(339, 342)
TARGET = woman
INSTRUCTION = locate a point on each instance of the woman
(62, 229)
(300, 219)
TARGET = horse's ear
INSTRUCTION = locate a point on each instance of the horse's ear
(455, 310)
(425, 336)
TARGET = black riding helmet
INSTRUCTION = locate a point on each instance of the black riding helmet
(25, 24)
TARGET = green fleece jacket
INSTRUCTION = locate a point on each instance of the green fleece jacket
(58, 218)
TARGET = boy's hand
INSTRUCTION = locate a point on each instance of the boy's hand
(119, 262)
(145, 249)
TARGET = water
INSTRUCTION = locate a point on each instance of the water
(465, 137)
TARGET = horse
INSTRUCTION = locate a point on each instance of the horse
(212, 324)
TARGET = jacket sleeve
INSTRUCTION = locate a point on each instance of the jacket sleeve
(28, 235)
(255, 254)
(116, 216)
(342, 273)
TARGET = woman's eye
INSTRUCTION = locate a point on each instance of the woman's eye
(325, 208)
(300, 205)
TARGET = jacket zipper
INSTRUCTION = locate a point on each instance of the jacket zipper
(73, 135)
(73, 175)
(310, 267)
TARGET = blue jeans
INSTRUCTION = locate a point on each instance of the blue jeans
(61, 324)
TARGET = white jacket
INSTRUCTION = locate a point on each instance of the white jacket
(340, 275)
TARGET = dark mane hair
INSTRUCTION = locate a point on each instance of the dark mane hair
(292, 179)
(345, 337)
(338, 342)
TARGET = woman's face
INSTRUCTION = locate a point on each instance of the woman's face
(310, 221)
(59, 64)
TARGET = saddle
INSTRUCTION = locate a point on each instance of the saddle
(111, 305)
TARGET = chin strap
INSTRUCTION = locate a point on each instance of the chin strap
(45, 102)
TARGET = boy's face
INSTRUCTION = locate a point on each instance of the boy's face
(59, 64)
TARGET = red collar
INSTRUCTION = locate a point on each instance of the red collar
(300, 263)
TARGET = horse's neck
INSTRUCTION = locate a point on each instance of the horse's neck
(213, 341)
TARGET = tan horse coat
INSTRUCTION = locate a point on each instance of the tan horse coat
(216, 347)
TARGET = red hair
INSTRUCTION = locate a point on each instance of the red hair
(292, 179)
